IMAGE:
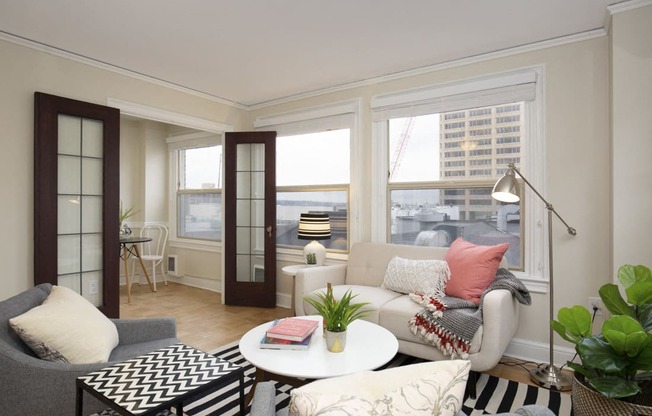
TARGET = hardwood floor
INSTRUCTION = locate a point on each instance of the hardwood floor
(205, 323)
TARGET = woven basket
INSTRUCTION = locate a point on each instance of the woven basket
(588, 402)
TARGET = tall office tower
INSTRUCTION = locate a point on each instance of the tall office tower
(476, 145)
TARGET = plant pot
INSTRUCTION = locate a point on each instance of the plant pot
(588, 402)
(335, 341)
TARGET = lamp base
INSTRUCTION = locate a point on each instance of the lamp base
(550, 377)
(316, 248)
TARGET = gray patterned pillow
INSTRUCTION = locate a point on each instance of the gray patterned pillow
(416, 276)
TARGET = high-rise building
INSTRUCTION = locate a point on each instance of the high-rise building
(477, 144)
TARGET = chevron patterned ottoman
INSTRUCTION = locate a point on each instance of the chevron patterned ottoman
(165, 378)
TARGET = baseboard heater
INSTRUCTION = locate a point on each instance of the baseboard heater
(172, 265)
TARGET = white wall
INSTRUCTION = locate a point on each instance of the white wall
(631, 36)
(22, 72)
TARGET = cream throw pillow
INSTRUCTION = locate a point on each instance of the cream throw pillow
(432, 388)
(67, 328)
(416, 276)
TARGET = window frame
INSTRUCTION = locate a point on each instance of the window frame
(457, 95)
(309, 120)
(321, 188)
(176, 144)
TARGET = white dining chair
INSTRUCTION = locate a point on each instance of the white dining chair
(152, 253)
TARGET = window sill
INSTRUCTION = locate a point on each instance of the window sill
(200, 245)
(532, 284)
(295, 255)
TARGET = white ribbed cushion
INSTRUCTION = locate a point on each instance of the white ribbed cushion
(67, 326)
(416, 276)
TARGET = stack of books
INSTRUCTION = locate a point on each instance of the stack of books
(289, 334)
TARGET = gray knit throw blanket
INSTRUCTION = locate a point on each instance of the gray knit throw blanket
(450, 323)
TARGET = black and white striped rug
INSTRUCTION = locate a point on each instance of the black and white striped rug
(495, 395)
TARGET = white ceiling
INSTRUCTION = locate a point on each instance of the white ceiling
(251, 52)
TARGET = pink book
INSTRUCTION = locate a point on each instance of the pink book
(292, 329)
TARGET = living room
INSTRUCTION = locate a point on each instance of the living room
(596, 140)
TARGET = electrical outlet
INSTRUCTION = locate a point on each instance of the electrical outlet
(596, 303)
(92, 287)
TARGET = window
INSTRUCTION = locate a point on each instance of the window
(456, 135)
(458, 125)
(508, 139)
(425, 210)
(314, 172)
(481, 132)
(312, 175)
(481, 122)
(480, 112)
(432, 199)
(508, 119)
(199, 193)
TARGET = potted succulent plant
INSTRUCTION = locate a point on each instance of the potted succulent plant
(614, 369)
(337, 315)
(122, 216)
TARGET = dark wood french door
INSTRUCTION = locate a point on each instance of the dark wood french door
(76, 198)
(250, 219)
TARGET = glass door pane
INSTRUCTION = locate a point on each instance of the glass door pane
(250, 220)
(79, 217)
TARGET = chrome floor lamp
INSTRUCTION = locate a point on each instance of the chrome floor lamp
(507, 190)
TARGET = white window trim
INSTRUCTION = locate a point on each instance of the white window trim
(535, 275)
(356, 154)
(203, 125)
(177, 143)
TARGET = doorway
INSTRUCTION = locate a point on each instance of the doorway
(151, 139)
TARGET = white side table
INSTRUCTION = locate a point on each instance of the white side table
(292, 271)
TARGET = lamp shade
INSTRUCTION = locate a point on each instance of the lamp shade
(507, 189)
(314, 226)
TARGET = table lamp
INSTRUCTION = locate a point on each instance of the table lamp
(314, 226)
(507, 190)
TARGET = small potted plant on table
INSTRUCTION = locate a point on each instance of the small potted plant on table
(614, 376)
(337, 315)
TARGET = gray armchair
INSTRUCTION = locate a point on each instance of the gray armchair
(31, 386)
(264, 404)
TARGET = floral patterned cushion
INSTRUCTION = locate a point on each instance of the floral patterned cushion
(433, 388)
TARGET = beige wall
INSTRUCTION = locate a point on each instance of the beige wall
(24, 71)
(577, 156)
(631, 36)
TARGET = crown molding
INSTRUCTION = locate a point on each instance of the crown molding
(578, 37)
(169, 117)
(627, 6)
(517, 50)
(41, 47)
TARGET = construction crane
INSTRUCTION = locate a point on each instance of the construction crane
(403, 140)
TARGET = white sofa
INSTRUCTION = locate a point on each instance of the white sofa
(364, 274)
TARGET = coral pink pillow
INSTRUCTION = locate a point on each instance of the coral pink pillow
(472, 267)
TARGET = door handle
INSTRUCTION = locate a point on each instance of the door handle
(269, 230)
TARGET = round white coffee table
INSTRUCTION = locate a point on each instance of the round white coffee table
(368, 346)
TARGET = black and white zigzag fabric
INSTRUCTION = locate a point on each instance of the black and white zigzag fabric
(144, 383)
(494, 395)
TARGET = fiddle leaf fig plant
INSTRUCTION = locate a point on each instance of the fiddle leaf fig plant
(615, 361)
